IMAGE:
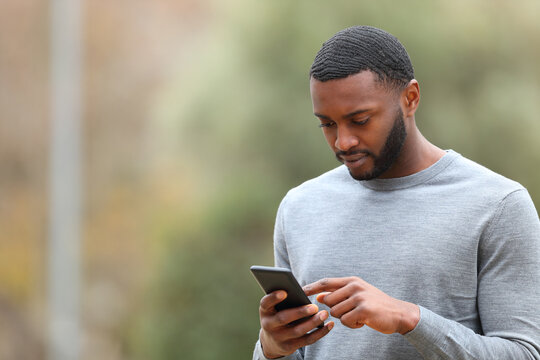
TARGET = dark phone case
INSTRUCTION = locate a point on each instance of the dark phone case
(273, 278)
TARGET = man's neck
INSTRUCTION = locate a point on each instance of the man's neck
(416, 155)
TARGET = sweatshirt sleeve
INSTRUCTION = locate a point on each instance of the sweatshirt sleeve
(281, 256)
(259, 355)
(508, 293)
(281, 260)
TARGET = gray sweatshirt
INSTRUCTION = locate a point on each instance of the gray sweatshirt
(457, 239)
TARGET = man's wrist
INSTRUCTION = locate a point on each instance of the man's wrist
(268, 356)
(409, 318)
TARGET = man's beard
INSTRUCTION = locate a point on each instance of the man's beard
(389, 153)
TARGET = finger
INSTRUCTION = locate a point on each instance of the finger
(285, 317)
(353, 319)
(310, 324)
(342, 294)
(343, 307)
(327, 284)
(302, 328)
(312, 337)
(320, 297)
(268, 302)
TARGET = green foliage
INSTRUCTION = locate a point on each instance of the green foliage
(204, 302)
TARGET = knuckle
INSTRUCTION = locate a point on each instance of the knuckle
(356, 286)
(364, 315)
(264, 304)
(347, 319)
(361, 317)
(280, 318)
(348, 323)
(298, 331)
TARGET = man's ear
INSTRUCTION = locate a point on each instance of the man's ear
(410, 98)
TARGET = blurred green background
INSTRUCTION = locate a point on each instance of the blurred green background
(197, 120)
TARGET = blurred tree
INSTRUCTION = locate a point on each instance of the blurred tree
(198, 120)
(240, 114)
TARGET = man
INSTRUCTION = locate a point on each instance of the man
(415, 252)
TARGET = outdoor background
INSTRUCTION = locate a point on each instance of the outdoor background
(197, 120)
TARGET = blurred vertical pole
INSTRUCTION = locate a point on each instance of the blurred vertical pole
(65, 180)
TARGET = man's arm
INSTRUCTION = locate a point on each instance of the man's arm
(508, 293)
(277, 337)
(438, 338)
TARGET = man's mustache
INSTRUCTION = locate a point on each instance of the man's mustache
(353, 152)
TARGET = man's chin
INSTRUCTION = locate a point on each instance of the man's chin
(361, 176)
(360, 173)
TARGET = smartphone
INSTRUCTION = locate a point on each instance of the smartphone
(274, 278)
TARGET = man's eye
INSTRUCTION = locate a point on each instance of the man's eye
(326, 125)
(361, 122)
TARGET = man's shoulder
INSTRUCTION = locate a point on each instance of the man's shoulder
(479, 177)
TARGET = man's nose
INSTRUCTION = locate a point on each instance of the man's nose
(345, 139)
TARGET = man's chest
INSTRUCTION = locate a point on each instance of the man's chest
(414, 255)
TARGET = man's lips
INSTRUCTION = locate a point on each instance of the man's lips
(352, 160)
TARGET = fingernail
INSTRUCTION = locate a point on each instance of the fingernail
(281, 295)
(330, 326)
(312, 309)
(323, 316)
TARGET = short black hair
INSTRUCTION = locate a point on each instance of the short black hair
(360, 48)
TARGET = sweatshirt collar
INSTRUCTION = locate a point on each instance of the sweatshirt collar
(414, 179)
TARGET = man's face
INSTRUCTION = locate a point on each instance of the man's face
(361, 121)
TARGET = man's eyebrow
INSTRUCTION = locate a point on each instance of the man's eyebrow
(354, 113)
(321, 116)
(346, 116)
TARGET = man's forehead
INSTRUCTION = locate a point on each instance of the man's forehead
(362, 84)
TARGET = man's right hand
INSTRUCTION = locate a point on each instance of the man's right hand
(278, 336)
